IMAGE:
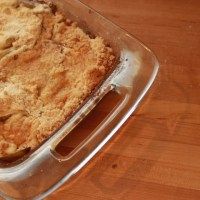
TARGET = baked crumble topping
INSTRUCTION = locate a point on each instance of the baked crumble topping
(48, 66)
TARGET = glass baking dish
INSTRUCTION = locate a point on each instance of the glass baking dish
(42, 171)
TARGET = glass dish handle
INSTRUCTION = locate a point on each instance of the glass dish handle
(67, 166)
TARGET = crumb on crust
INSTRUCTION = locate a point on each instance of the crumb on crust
(48, 67)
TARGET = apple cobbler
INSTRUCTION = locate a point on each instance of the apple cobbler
(48, 66)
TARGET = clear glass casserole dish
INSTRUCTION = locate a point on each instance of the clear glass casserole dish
(42, 171)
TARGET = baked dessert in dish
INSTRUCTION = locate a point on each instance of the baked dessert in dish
(48, 67)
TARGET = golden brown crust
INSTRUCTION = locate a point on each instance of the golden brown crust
(47, 69)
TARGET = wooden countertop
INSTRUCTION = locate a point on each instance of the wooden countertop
(156, 155)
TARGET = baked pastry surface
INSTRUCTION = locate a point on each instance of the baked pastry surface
(48, 67)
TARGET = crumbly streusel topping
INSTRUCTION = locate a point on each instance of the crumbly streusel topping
(48, 66)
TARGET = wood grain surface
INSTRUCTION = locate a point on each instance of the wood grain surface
(156, 154)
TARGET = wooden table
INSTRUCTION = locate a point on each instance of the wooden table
(156, 155)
